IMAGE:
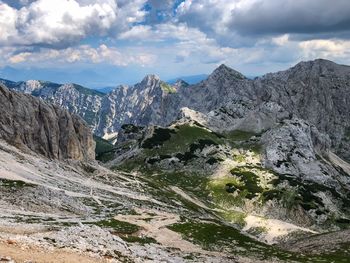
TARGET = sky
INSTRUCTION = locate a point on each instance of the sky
(110, 42)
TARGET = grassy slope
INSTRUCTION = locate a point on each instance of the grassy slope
(104, 149)
(213, 193)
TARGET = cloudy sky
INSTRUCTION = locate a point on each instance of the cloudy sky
(109, 42)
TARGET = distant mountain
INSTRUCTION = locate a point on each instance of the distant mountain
(75, 98)
(105, 90)
(316, 91)
(189, 79)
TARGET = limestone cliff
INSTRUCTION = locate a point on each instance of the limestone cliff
(30, 123)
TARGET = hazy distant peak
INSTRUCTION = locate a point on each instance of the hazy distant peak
(181, 83)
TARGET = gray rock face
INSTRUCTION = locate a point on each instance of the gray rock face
(75, 98)
(142, 104)
(317, 91)
(31, 123)
(295, 148)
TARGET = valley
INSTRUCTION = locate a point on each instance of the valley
(226, 170)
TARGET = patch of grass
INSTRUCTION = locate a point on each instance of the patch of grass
(140, 240)
(222, 197)
(190, 182)
(250, 181)
(160, 136)
(167, 88)
(234, 217)
(104, 149)
(238, 135)
(186, 135)
(14, 183)
(347, 132)
(119, 227)
(218, 237)
(239, 158)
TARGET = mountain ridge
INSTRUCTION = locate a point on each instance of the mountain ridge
(226, 88)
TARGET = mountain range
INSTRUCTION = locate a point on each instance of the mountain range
(229, 169)
(316, 91)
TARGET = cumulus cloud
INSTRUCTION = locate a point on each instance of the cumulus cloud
(167, 34)
(61, 23)
(291, 16)
(82, 54)
(160, 9)
(325, 48)
(242, 22)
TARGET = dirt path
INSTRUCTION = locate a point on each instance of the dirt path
(154, 223)
(188, 198)
(21, 254)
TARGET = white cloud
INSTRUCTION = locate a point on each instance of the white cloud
(84, 54)
(60, 23)
(330, 49)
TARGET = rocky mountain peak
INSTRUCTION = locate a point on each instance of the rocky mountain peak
(30, 123)
(150, 80)
(226, 72)
(320, 66)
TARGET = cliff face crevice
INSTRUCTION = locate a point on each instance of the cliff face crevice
(30, 123)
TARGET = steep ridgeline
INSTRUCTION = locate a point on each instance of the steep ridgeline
(31, 123)
(77, 99)
(146, 103)
(316, 91)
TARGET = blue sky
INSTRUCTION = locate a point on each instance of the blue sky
(108, 42)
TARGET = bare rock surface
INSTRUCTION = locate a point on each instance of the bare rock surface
(31, 123)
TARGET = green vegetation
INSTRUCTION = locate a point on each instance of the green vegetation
(104, 150)
(167, 88)
(238, 135)
(222, 189)
(119, 227)
(239, 158)
(235, 217)
(160, 135)
(142, 240)
(218, 237)
(183, 136)
(130, 128)
(250, 181)
(14, 184)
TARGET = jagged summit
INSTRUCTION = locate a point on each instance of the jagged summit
(225, 71)
(148, 79)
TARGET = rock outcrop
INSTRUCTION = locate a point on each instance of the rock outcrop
(76, 99)
(31, 123)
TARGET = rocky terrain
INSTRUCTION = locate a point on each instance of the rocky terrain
(75, 98)
(31, 123)
(226, 170)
